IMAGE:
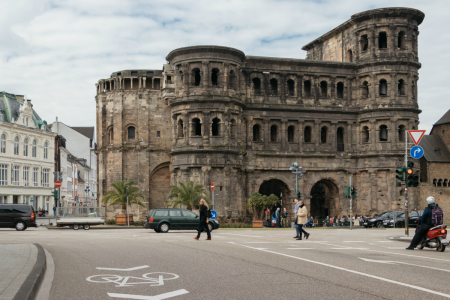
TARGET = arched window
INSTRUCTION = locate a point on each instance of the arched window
(214, 76)
(274, 86)
(45, 150)
(365, 90)
(383, 133)
(16, 145)
(307, 134)
(323, 134)
(323, 89)
(291, 87)
(401, 87)
(349, 56)
(131, 131)
(307, 84)
(180, 128)
(340, 139)
(27, 122)
(340, 90)
(434, 182)
(365, 134)
(181, 77)
(34, 149)
(256, 133)
(273, 133)
(401, 39)
(257, 85)
(364, 42)
(291, 130)
(401, 133)
(196, 127)
(25, 147)
(383, 87)
(232, 80)
(445, 184)
(3, 144)
(215, 127)
(382, 40)
(439, 183)
(233, 129)
(197, 76)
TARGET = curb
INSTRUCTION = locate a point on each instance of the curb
(31, 285)
(94, 227)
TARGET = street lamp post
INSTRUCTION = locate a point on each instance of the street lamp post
(128, 216)
(86, 191)
(298, 174)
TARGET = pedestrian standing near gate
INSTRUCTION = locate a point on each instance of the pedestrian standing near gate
(277, 217)
(302, 215)
(204, 209)
(284, 218)
(54, 211)
(268, 219)
(297, 233)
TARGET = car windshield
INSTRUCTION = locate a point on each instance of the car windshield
(384, 215)
(401, 215)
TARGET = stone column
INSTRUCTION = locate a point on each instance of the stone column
(333, 135)
(186, 78)
(145, 82)
(266, 134)
(373, 132)
(300, 135)
(186, 126)
(349, 90)
(393, 89)
(373, 190)
(266, 86)
(225, 67)
(283, 134)
(205, 74)
(315, 90)
(283, 87)
(206, 128)
(225, 127)
(373, 90)
(299, 89)
(317, 133)
(174, 131)
(131, 80)
(333, 90)
(153, 82)
(348, 134)
(139, 79)
(96, 88)
(356, 48)
(372, 41)
(393, 47)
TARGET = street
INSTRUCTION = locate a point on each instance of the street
(237, 264)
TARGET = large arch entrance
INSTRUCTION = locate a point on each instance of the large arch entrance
(276, 187)
(324, 199)
(159, 186)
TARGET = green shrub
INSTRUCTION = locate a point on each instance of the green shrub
(138, 223)
(110, 222)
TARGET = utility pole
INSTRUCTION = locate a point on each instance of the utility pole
(128, 216)
(406, 186)
(351, 200)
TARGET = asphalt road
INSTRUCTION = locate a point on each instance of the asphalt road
(238, 264)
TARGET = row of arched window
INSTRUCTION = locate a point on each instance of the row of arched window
(440, 182)
(382, 90)
(26, 147)
(382, 41)
(197, 130)
(196, 77)
(383, 133)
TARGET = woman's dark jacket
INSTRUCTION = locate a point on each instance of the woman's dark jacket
(203, 213)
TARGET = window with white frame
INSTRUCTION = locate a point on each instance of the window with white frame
(34, 149)
(45, 177)
(15, 175)
(45, 150)
(16, 145)
(3, 144)
(25, 147)
(35, 177)
(3, 174)
(26, 176)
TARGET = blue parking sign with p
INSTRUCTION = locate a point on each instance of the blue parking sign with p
(214, 214)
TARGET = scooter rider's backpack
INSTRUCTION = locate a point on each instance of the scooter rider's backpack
(437, 216)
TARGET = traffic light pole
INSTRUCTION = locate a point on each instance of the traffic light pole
(406, 186)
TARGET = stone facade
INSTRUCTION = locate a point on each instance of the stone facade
(214, 114)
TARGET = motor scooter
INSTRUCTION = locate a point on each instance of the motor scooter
(436, 238)
(41, 213)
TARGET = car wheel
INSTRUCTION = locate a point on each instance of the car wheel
(75, 227)
(366, 226)
(379, 224)
(164, 228)
(20, 226)
(210, 226)
(86, 227)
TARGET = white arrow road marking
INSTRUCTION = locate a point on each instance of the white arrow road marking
(399, 262)
(157, 297)
(125, 270)
(353, 271)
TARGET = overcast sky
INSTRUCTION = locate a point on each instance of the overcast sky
(55, 51)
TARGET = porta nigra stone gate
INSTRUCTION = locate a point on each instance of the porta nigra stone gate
(213, 114)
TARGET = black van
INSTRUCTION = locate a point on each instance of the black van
(19, 216)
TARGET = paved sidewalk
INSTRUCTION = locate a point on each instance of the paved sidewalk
(22, 267)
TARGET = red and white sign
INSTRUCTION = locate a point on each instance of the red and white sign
(58, 183)
(416, 135)
(212, 186)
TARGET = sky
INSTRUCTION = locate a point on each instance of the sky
(55, 51)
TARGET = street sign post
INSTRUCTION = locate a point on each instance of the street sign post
(212, 190)
(416, 152)
(58, 184)
(214, 214)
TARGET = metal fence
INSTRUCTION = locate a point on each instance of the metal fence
(77, 212)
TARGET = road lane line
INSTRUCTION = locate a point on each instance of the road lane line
(353, 271)
(299, 248)
(125, 270)
(157, 297)
(392, 262)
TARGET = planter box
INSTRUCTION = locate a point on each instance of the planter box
(257, 224)
(122, 219)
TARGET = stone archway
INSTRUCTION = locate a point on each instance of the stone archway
(159, 183)
(276, 187)
(324, 199)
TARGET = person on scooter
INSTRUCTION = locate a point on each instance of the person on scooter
(425, 222)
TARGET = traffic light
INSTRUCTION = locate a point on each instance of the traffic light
(400, 175)
(300, 196)
(347, 191)
(55, 194)
(354, 192)
(410, 174)
(415, 180)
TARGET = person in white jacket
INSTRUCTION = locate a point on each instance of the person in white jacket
(302, 217)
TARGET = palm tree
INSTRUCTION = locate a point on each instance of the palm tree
(187, 195)
(119, 195)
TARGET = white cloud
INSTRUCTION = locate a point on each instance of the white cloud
(55, 51)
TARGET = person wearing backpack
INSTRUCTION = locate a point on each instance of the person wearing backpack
(432, 216)
(205, 214)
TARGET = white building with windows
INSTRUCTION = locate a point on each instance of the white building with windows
(26, 154)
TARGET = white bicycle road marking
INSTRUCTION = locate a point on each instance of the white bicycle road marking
(125, 270)
(157, 297)
(121, 281)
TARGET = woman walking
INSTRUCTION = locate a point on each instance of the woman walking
(301, 220)
(203, 220)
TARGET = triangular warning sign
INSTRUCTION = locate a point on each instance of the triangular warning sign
(416, 135)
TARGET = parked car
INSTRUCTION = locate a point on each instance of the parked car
(399, 221)
(165, 219)
(19, 216)
(379, 221)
